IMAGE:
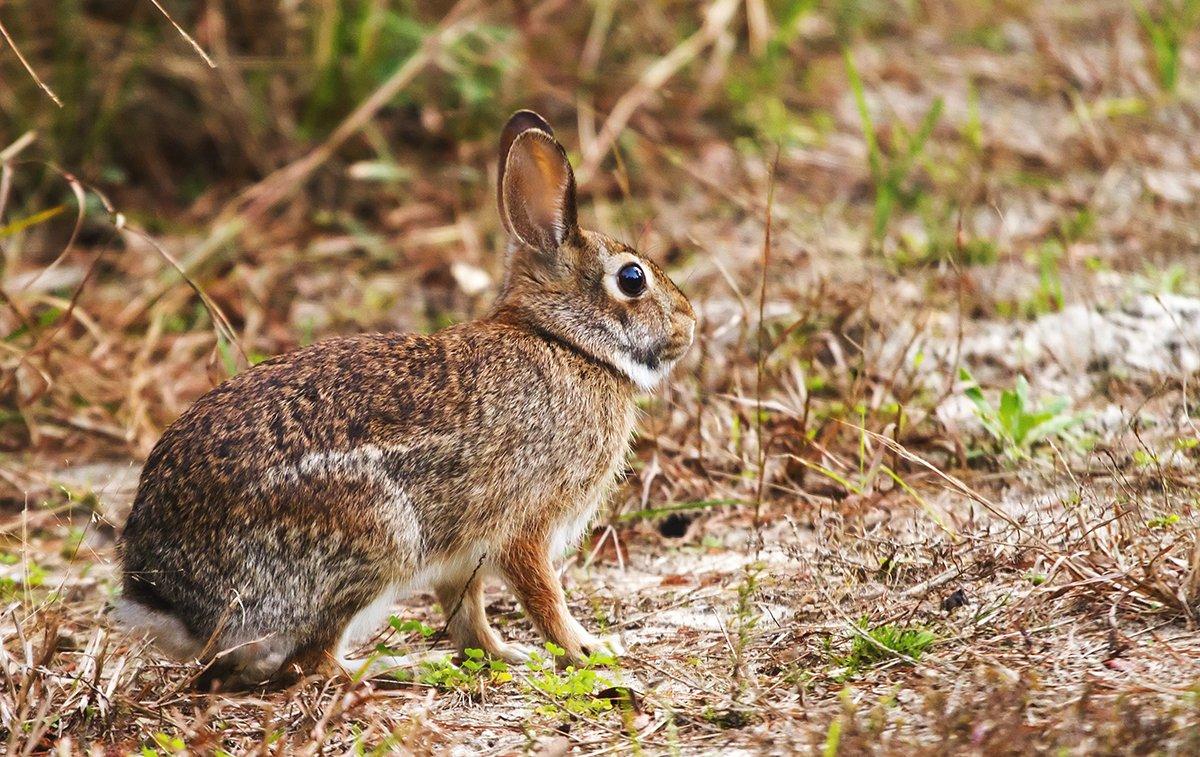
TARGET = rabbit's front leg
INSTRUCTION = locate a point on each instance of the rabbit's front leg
(528, 571)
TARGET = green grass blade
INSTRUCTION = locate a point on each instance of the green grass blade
(24, 223)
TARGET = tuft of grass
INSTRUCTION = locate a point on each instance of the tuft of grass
(890, 169)
(890, 641)
(1167, 32)
(655, 512)
(745, 621)
(1048, 298)
(1163, 521)
(757, 95)
(1017, 425)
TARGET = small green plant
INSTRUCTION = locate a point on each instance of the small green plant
(1077, 226)
(757, 92)
(745, 620)
(1167, 32)
(1048, 258)
(410, 626)
(890, 170)
(33, 577)
(1048, 298)
(443, 673)
(475, 669)
(357, 46)
(1163, 521)
(164, 744)
(1144, 459)
(1017, 425)
(940, 240)
(73, 543)
(833, 737)
(872, 646)
(572, 691)
(1173, 279)
(478, 663)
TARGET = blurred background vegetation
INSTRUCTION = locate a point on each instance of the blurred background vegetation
(145, 116)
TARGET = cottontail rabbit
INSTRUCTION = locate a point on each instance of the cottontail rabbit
(279, 518)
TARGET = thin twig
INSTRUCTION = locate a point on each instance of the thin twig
(37, 79)
(761, 359)
(195, 45)
(462, 595)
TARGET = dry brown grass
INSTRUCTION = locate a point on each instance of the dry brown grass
(813, 479)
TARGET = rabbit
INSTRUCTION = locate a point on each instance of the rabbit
(279, 518)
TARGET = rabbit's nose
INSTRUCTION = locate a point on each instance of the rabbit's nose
(684, 327)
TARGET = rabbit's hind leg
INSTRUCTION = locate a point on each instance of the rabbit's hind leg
(230, 665)
(328, 649)
(247, 665)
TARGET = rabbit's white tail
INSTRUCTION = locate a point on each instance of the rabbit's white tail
(164, 629)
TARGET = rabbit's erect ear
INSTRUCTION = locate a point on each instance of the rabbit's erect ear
(537, 186)
(521, 121)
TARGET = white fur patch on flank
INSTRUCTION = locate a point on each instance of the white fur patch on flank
(363, 463)
(359, 462)
(367, 621)
(646, 378)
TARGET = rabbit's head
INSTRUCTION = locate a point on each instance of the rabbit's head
(584, 288)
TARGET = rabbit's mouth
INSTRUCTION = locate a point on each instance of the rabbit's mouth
(672, 351)
(660, 356)
(651, 358)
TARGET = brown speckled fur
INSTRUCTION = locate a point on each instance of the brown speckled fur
(296, 494)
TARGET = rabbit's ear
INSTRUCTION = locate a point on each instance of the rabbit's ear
(522, 120)
(537, 186)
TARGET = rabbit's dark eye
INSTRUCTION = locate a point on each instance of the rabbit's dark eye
(631, 280)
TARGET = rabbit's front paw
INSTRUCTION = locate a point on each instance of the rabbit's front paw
(513, 654)
(590, 644)
(609, 643)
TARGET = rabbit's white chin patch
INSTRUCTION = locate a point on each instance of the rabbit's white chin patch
(646, 378)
